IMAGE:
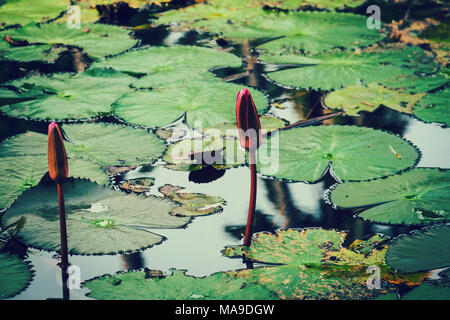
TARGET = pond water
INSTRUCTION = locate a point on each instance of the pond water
(197, 248)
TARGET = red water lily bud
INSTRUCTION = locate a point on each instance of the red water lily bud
(248, 123)
(57, 158)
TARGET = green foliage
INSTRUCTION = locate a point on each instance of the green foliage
(159, 66)
(424, 249)
(354, 99)
(99, 220)
(26, 11)
(342, 69)
(91, 148)
(304, 154)
(14, 275)
(418, 196)
(206, 102)
(97, 40)
(153, 285)
(63, 96)
(295, 31)
(313, 264)
(434, 107)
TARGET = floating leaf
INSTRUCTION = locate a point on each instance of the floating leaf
(91, 148)
(192, 204)
(26, 11)
(168, 65)
(137, 185)
(206, 104)
(97, 40)
(314, 265)
(9, 232)
(99, 220)
(137, 285)
(14, 275)
(425, 249)
(295, 31)
(64, 96)
(336, 70)
(431, 290)
(354, 99)
(414, 197)
(434, 107)
(47, 53)
(304, 154)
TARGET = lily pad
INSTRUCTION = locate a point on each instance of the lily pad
(46, 53)
(159, 66)
(425, 249)
(26, 11)
(91, 148)
(15, 275)
(154, 285)
(305, 154)
(67, 97)
(295, 31)
(9, 232)
(191, 204)
(268, 124)
(97, 40)
(137, 185)
(342, 69)
(354, 99)
(99, 220)
(312, 264)
(415, 197)
(206, 103)
(434, 107)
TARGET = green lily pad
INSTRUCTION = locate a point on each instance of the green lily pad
(206, 104)
(26, 11)
(15, 275)
(9, 232)
(434, 107)
(425, 249)
(354, 99)
(412, 83)
(418, 196)
(295, 31)
(99, 220)
(341, 69)
(312, 264)
(191, 204)
(67, 97)
(268, 124)
(168, 65)
(305, 154)
(154, 285)
(429, 291)
(91, 148)
(97, 40)
(46, 53)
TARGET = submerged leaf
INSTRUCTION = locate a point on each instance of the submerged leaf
(99, 220)
(414, 197)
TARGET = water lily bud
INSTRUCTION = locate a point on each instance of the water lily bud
(248, 123)
(57, 158)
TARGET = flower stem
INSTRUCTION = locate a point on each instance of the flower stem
(252, 204)
(63, 234)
